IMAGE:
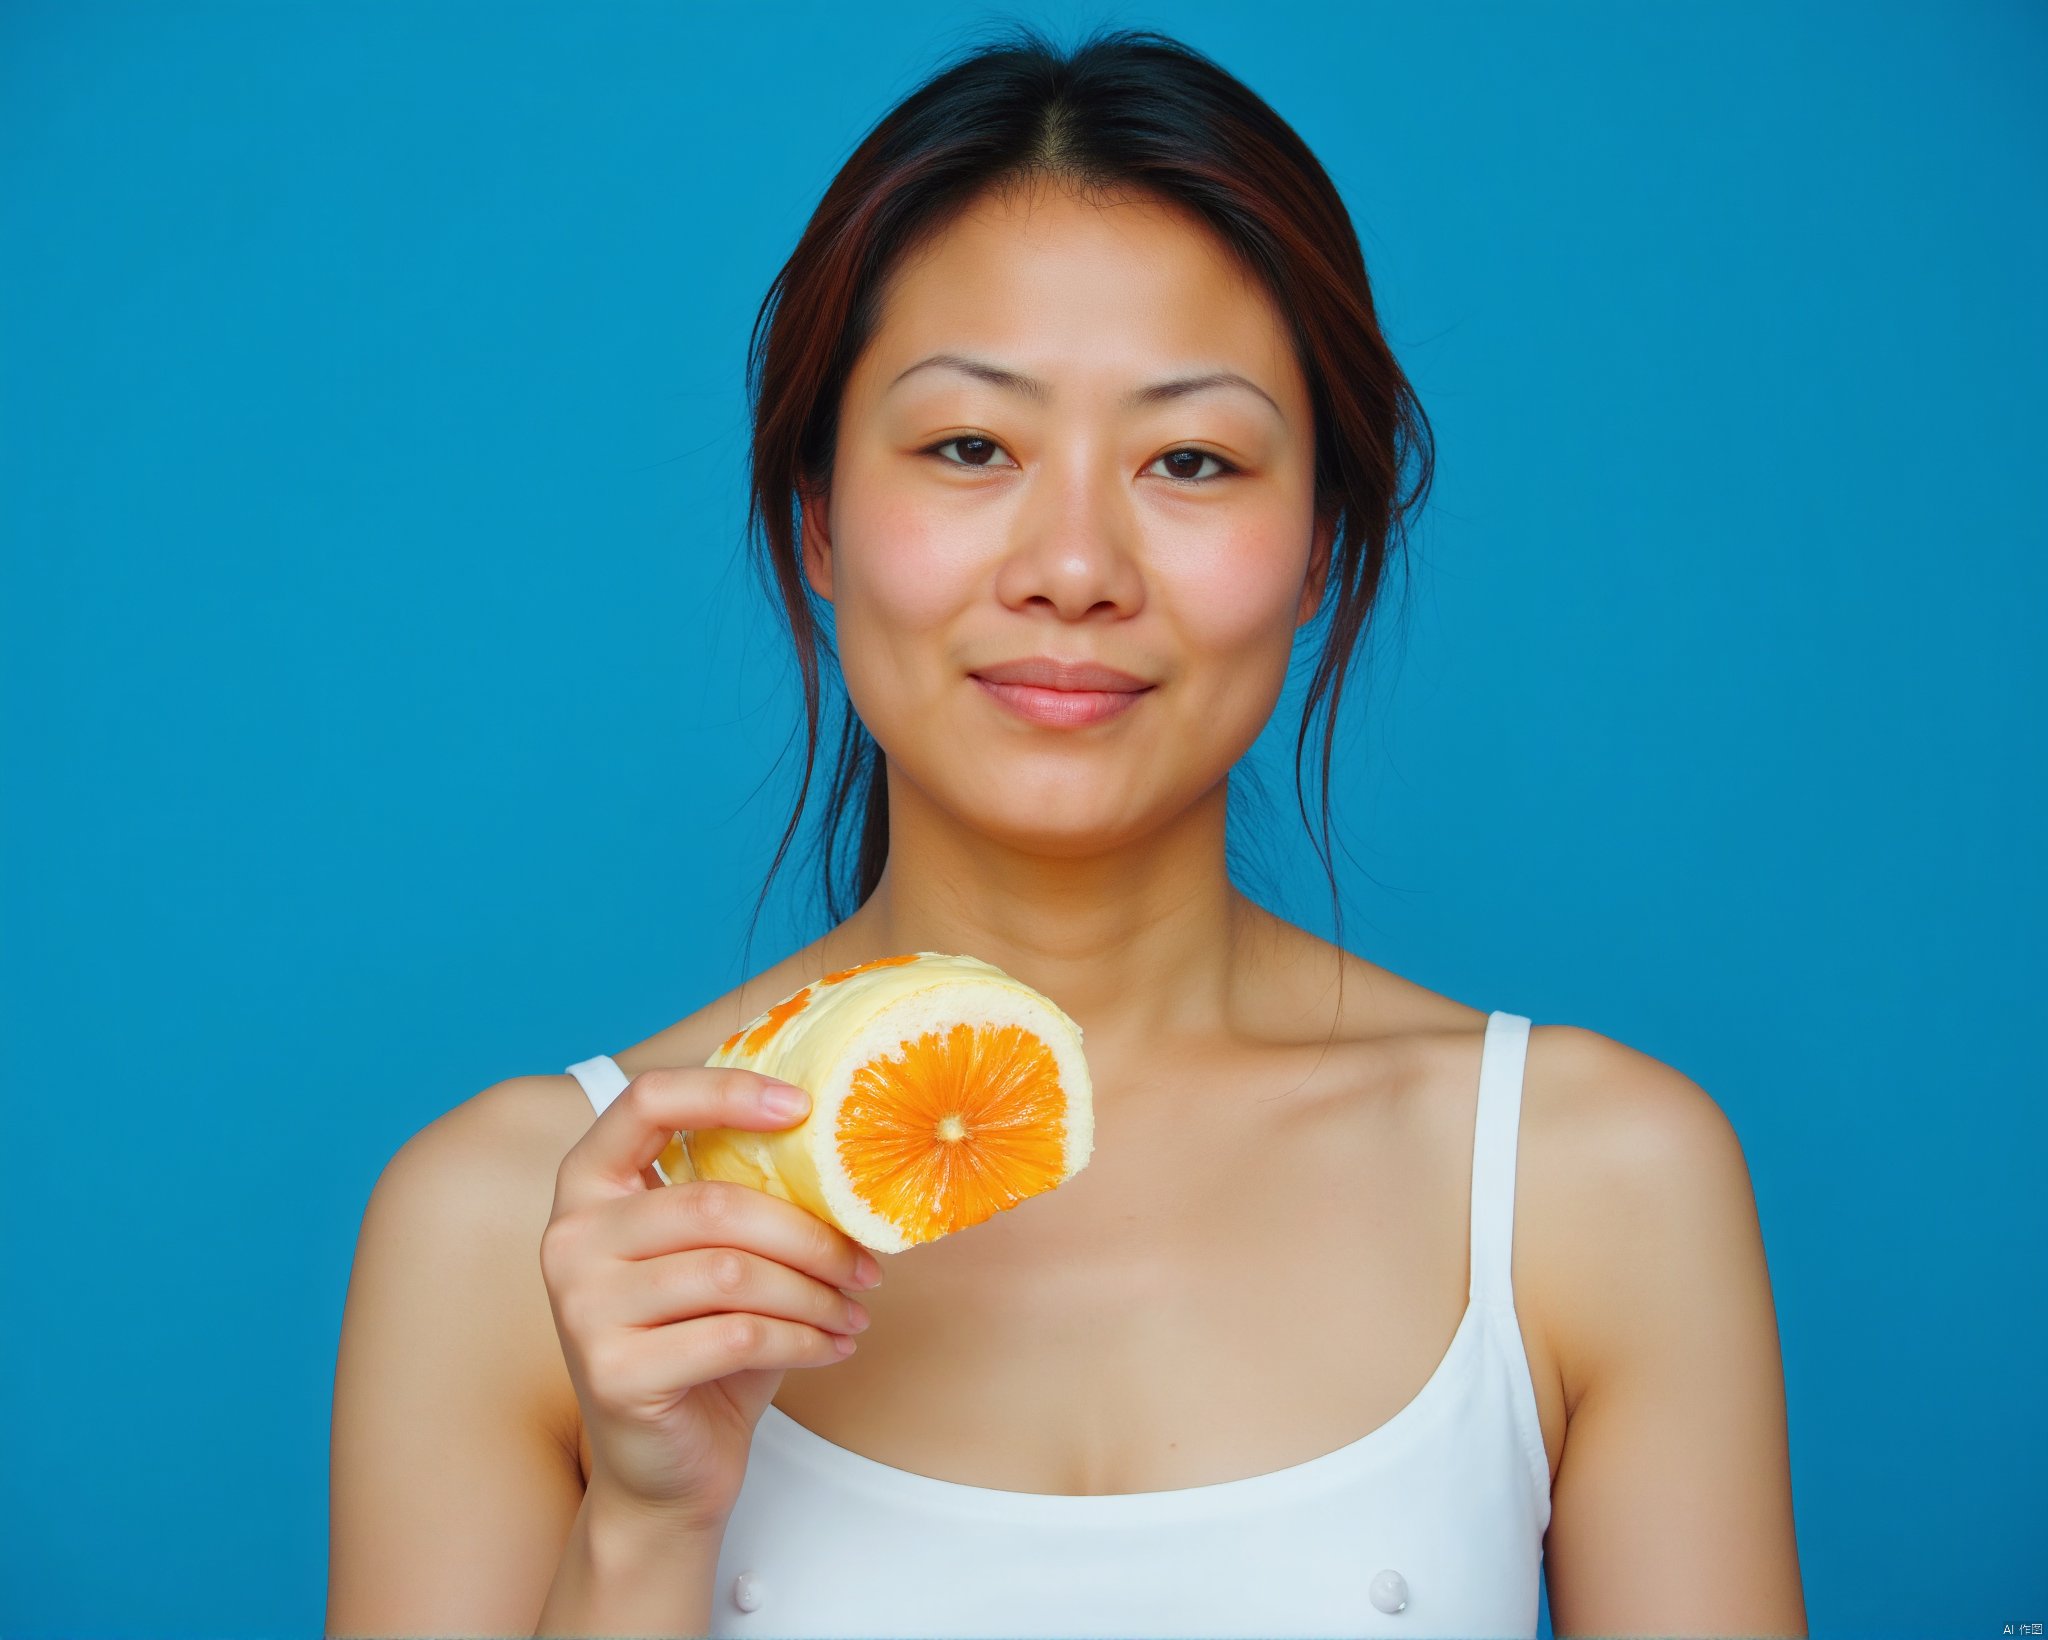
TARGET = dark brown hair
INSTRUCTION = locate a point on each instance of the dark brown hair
(1126, 111)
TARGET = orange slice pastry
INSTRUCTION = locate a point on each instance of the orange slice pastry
(942, 1093)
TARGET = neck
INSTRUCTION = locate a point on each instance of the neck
(1142, 942)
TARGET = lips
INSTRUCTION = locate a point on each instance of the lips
(1061, 708)
(1050, 672)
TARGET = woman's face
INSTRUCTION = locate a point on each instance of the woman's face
(972, 522)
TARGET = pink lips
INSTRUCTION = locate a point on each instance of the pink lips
(1062, 708)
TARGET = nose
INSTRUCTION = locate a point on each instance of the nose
(1075, 539)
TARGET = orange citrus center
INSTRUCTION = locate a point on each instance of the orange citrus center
(954, 1127)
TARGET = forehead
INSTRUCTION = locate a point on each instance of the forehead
(1090, 294)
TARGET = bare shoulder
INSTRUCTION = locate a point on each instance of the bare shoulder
(488, 1165)
(1630, 1159)
(449, 1341)
(510, 1124)
(486, 1170)
(452, 1487)
(1640, 1277)
(1629, 1118)
(1672, 1506)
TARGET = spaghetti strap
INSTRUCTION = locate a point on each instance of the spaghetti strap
(602, 1079)
(1502, 1059)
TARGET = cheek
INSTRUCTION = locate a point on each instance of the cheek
(1244, 597)
(1233, 619)
(907, 569)
(901, 578)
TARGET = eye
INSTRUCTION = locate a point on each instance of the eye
(975, 451)
(1199, 456)
(972, 440)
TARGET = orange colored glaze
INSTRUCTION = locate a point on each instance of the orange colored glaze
(757, 1036)
(955, 1128)
(879, 962)
(777, 1016)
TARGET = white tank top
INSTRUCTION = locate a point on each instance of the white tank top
(1430, 1525)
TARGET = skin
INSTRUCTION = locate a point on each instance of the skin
(1092, 865)
(1091, 861)
(1282, 1173)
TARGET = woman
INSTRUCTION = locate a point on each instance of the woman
(1076, 368)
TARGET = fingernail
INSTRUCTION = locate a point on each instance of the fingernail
(866, 1272)
(785, 1101)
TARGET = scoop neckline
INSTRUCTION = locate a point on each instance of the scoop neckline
(912, 1484)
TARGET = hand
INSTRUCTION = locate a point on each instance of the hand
(679, 1308)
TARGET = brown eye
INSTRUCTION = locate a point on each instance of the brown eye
(1190, 462)
(975, 451)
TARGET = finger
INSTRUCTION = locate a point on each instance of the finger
(648, 1366)
(704, 1281)
(610, 1158)
(720, 1213)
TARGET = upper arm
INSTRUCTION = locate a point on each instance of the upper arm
(450, 1499)
(1672, 1508)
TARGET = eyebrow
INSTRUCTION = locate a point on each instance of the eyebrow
(1032, 388)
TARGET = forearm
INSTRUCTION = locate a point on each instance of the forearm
(624, 1574)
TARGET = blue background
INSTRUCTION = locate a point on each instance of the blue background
(388, 711)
